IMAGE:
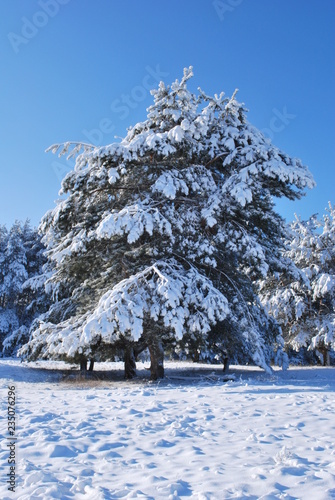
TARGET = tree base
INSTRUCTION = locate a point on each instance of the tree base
(157, 360)
(129, 363)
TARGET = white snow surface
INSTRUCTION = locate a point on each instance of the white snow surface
(191, 435)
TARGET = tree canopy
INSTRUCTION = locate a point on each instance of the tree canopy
(160, 237)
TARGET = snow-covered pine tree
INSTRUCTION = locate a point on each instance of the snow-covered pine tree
(14, 274)
(21, 260)
(7, 319)
(303, 302)
(3, 245)
(161, 236)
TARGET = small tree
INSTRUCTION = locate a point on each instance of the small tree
(162, 235)
(303, 302)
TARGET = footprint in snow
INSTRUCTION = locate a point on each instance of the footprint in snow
(62, 451)
(164, 444)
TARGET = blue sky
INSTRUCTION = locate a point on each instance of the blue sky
(81, 70)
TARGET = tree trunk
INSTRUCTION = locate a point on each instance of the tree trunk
(157, 359)
(226, 364)
(90, 369)
(139, 347)
(129, 363)
(83, 365)
(325, 353)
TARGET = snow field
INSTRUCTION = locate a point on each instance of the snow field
(191, 435)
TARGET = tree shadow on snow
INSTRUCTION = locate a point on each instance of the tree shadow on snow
(295, 379)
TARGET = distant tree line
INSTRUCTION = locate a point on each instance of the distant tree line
(302, 299)
(22, 284)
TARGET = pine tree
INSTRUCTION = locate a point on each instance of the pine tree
(13, 276)
(8, 317)
(21, 260)
(162, 235)
(304, 301)
(3, 245)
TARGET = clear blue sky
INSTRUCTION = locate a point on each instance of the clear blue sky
(80, 70)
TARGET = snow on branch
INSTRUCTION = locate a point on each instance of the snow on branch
(134, 220)
(185, 301)
(77, 147)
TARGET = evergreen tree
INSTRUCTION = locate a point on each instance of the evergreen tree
(304, 301)
(3, 246)
(162, 235)
(13, 276)
(21, 259)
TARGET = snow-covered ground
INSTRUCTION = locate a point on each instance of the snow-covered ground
(192, 435)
